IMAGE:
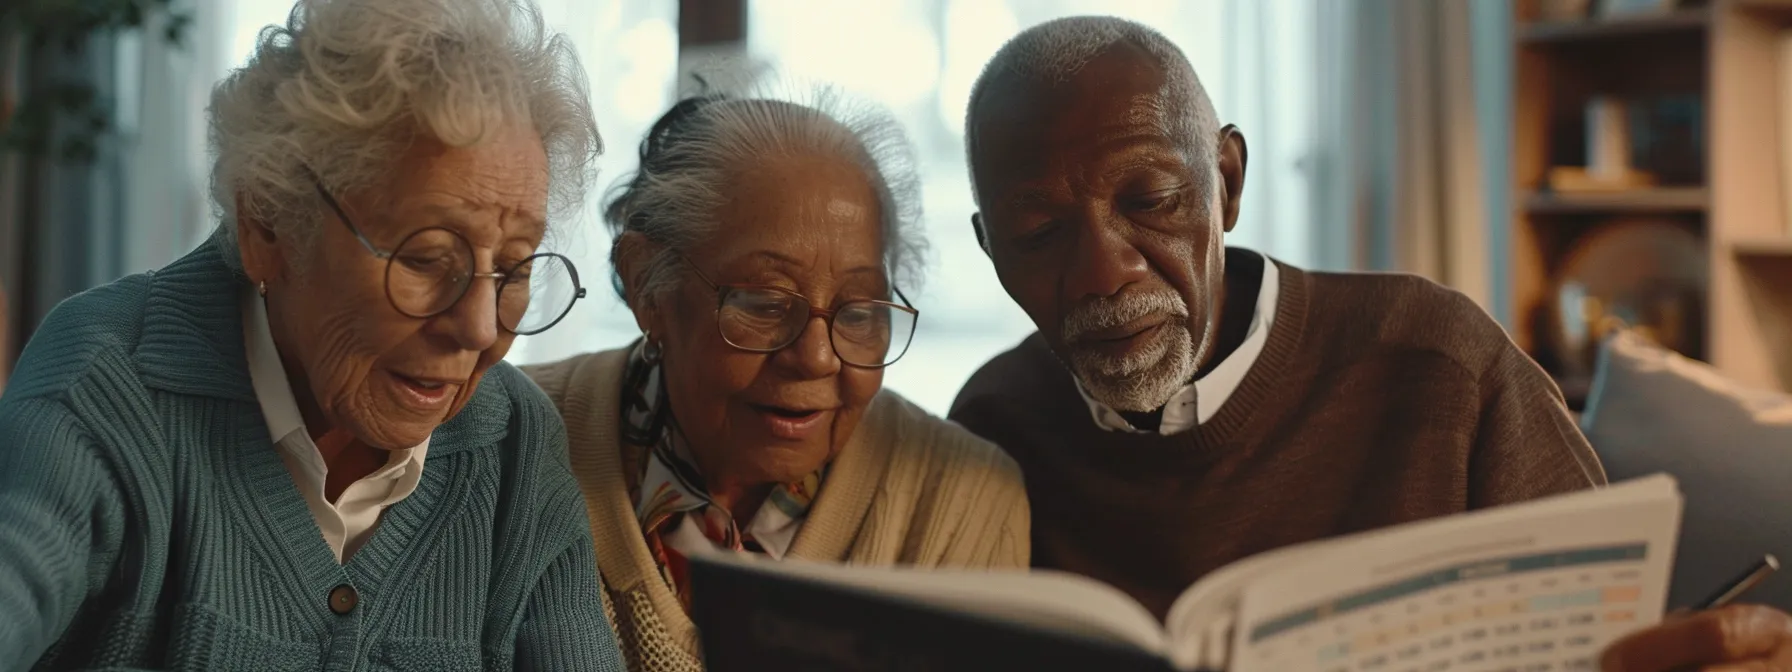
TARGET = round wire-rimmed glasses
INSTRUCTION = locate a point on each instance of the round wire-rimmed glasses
(432, 268)
(865, 333)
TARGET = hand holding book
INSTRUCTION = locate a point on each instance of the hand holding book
(1737, 637)
(1741, 635)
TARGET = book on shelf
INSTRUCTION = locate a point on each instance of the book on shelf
(1551, 581)
(1785, 117)
(1560, 11)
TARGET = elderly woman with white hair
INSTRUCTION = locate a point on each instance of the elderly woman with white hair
(297, 447)
(762, 246)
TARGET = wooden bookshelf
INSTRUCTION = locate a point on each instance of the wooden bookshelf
(1680, 20)
(1766, 249)
(1725, 55)
(1668, 200)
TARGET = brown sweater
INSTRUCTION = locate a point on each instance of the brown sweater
(1378, 399)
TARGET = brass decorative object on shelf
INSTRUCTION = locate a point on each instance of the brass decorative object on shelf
(1579, 180)
(1649, 274)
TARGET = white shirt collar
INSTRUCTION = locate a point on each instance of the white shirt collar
(286, 427)
(1198, 401)
(267, 375)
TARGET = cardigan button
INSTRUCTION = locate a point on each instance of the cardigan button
(343, 599)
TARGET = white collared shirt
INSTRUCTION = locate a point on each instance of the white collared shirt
(349, 522)
(1200, 400)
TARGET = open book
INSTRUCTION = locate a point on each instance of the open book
(1551, 581)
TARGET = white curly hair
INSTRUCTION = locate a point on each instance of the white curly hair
(336, 95)
(698, 147)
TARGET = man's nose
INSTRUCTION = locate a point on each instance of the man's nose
(1103, 262)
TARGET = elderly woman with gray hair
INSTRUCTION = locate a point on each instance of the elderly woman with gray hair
(297, 448)
(761, 247)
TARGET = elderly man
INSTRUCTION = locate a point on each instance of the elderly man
(1184, 404)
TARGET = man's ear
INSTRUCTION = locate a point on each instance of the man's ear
(259, 247)
(1232, 158)
(633, 254)
(982, 236)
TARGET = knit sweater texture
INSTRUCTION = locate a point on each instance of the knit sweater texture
(1378, 399)
(147, 522)
(907, 489)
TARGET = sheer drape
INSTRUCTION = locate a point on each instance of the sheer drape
(630, 51)
(1421, 139)
(1440, 227)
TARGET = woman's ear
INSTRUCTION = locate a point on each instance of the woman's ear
(634, 253)
(259, 247)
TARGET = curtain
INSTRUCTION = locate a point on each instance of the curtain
(163, 91)
(1422, 201)
(51, 204)
(140, 201)
(1490, 27)
(11, 64)
(630, 52)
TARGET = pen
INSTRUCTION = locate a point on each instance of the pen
(1761, 570)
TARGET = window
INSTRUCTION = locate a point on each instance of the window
(630, 52)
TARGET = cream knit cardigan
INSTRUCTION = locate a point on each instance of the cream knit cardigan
(907, 489)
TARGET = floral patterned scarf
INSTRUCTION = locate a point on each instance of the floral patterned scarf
(676, 513)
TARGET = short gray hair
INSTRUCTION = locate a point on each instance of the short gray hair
(703, 143)
(1055, 51)
(339, 92)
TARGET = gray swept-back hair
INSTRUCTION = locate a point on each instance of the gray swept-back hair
(338, 93)
(701, 145)
(1055, 51)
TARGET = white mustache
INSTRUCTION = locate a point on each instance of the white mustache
(1107, 313)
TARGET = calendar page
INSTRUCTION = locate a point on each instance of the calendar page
(1525, 594)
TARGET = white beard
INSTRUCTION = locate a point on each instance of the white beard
(1141, 381)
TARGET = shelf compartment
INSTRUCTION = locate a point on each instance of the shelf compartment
(1599, 29)
(1763, 247)
(1640, 201)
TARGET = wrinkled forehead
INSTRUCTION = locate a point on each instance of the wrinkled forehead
(491, 190)
(1025, 128)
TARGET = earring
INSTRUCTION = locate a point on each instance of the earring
(650, 348)
(643, 400)
(261, 287)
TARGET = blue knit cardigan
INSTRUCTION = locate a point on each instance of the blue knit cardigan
(146, 521)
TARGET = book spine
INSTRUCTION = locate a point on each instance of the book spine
(1608, 140)
(1785, 130)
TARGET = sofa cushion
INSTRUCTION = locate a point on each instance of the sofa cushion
(1652, 410)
